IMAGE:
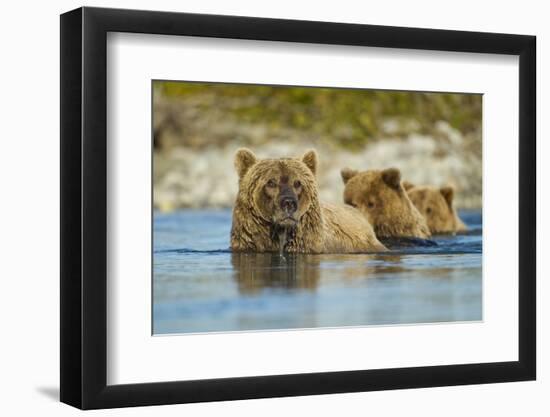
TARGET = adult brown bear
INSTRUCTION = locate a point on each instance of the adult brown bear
(277, 209)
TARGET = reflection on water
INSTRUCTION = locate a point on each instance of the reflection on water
(200, 286)
(257, 271)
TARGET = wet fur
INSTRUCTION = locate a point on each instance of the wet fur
(436, 204)
(321, 228)
(380, 196)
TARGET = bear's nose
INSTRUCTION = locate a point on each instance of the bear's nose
(289, 204)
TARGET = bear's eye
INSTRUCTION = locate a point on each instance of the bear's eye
(271, 184)
(429, 210)
(370, 204)
(297, 184)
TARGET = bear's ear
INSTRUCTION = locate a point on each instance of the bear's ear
(244, 159)
(407, 185)
(311, 160)
(448, 194)
(348, 174)
(392, 177)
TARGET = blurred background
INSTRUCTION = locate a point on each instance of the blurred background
(433, 138)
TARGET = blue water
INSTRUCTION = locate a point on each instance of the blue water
(200, 286)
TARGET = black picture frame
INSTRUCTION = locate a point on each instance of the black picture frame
(84, 207)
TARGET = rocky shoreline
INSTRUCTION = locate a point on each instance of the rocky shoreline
(188, 177)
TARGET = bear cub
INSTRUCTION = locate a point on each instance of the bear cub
(380, 196)
(436, 204)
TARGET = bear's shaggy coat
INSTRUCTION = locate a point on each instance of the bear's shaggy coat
(380, 196)
(261, 225)
(436, 204)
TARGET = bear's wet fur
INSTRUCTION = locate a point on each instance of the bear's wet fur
(278, 209)
(380, 196)
(436, 204)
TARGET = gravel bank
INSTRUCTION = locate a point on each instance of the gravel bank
(186, 177)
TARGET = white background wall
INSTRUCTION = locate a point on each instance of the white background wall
(29, 239)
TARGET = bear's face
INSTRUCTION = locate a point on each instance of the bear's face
(436, 204)
(280, 191)
(378, 195)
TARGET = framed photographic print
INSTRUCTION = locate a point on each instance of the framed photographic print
(257, 208)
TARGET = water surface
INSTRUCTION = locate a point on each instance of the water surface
(200, 286)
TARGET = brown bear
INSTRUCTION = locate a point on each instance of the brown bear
(380, 196)
(277, 209)
(436, 204)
